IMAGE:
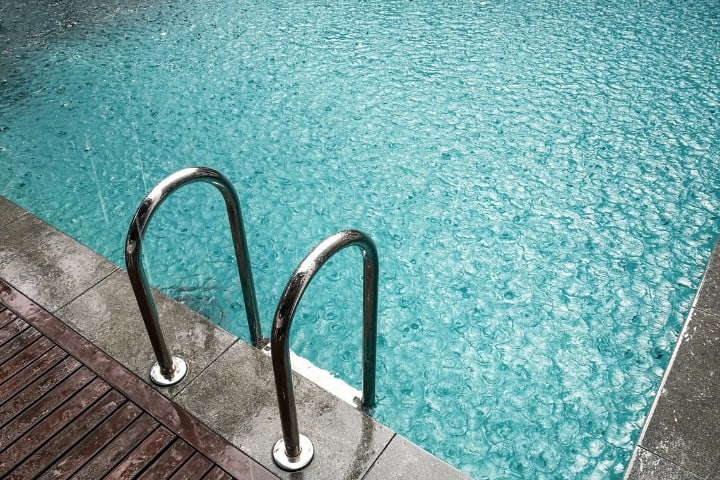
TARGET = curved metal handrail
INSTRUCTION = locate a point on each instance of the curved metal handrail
(294, 451)
(169, 370)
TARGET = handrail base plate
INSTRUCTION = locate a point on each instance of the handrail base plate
(178, 373)
(292, 464)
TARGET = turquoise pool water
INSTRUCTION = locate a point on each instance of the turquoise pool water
(540, 179)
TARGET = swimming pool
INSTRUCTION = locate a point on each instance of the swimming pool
(537, 177)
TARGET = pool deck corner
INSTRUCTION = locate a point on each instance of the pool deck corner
(229, 386)
(681, 436)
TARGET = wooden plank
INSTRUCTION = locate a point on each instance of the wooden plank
(45, 405)
(118, 448)
(162, 453)
(143, 455)
(11, 329)
(6, 315)
(68, 437)
(169, 461)
(47, 382)
(86, 449)
(40, 433)
(30, 362)
(217, 474)
(195, 468)
(17, 343)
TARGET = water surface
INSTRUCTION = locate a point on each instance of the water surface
(539, 177)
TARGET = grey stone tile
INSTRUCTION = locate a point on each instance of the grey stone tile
(46, 264)
(108, 316)
(708, 298)
(648, 466)
(403, 460)
(236, 397)
(685, 424)
(9, 211)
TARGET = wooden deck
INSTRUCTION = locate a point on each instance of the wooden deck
(69, 410)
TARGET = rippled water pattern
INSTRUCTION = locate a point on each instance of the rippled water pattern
(540, 179)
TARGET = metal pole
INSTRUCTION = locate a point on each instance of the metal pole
(170, 370)
(370, 307)
(294, 451)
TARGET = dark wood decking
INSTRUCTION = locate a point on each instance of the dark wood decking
(69, 410)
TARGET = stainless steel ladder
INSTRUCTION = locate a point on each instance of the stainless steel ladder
(294, 451)
(170, 370)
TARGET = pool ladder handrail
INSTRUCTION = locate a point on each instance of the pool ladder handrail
(294, 451)
(169, 370)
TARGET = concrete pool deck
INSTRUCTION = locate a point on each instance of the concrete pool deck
(229, 387)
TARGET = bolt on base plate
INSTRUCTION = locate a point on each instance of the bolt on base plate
(179, 371)
(292, 464)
